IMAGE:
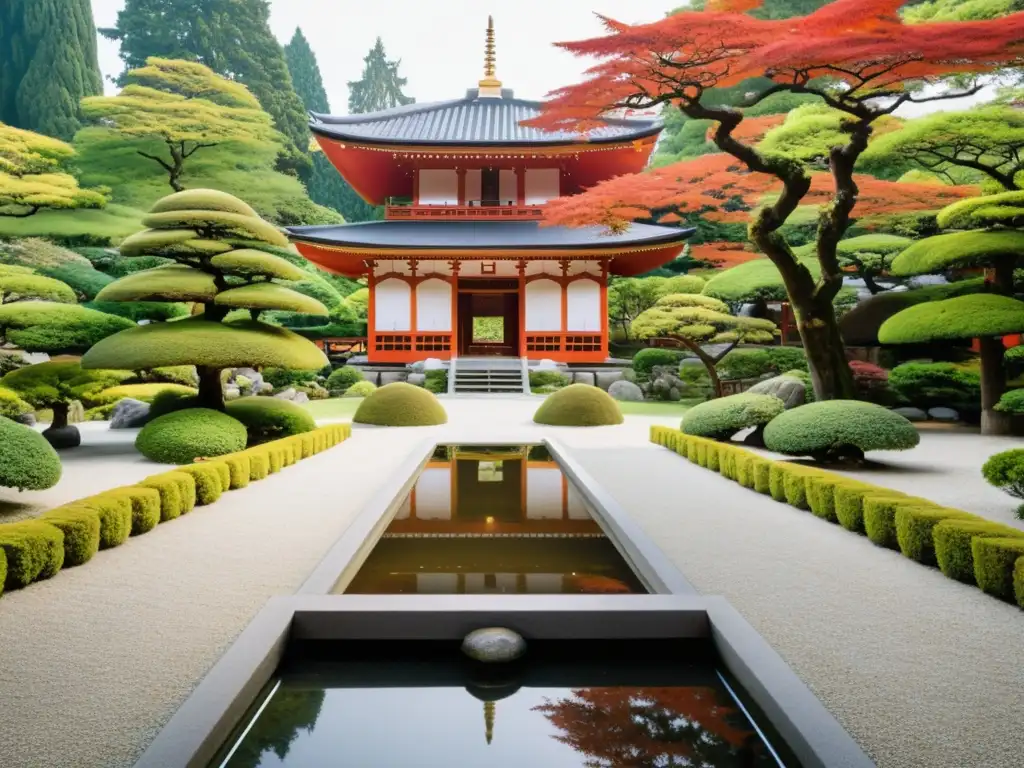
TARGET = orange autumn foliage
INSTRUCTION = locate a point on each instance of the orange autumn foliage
(723, 254)
(753, 129)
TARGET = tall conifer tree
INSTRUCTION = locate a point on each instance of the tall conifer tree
(380, 86)
(231, 37)
(47, 64)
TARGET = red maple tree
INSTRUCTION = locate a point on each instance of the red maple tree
(857, 56)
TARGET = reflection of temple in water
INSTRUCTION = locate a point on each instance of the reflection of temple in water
(493, 520)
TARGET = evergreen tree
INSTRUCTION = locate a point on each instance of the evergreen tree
(231, 37)
(380, 87)
(47, 64)
(305, 72)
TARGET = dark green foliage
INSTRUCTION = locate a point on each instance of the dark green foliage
(48, 63)
(914, 530)
(291, 710)
(27, 461)
(282, 378)
(1006, 471)
(85, 280)
(341, 379)
(723, 417)
(34, 550)
(400, 405)
(380, 86)
(994, 562)
(754, 363)
(183, 436)
(81, 529)
(270, 418)
(839, 428)
(930, 385)
(952, 540)
(578, 405)
(548, 379)
(1012, 402)
(646, 359)
(305, 72)
(436, 381)
(57, 329)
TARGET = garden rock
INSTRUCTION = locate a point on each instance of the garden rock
(418, 366)
(546, 365)
(626, 391)
(76, 413)
(232, 393)
(943, 414)
(789, 389)
(605, 379)
(391, 378)
(433, 364)
(294, 395)
(494, 644)
(629, 374)
(912, 414)
(129, 414)
(583, 377)
(417, 379)
(28, 419)
(255, 378)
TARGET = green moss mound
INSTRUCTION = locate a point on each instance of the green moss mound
(400, 405)
(202, 199)
(579, 405)
(342, 378)
(270, 296)
(174, 282)
(195, 341)
(965, 317)
(269, 418)
(723, 417)
(249, 262)
(361, 389)
(183, 436)
(1010, 402)
(958, 249)
(837, 429)
(27, 461)
(20, 287)
(45, 326)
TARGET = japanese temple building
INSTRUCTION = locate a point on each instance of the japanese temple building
(464, 185)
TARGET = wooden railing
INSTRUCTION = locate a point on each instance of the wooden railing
(465, 212)
(340, 345)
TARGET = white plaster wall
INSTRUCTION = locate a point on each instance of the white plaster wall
(434, 495)
(583, 306)
(541, 185)
(473, 184)
(584, 268)
(393, 304)
(543, 306)
(543, 494)
(439, 187)
(391, 267)
(542, 267)
(434, 306)
(507, 191)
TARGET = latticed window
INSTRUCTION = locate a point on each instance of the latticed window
(394, 343)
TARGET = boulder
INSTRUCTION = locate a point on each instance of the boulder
(392, 377)
(626, 391)
(912, 414)
(28, 419)
(583, 377)
(232, 393)
(417, 379)
(76, 412)
(674, 394)
(494, 644)
(287, 394)
(129, 414)
(943, 414)
(546, 365)
(629, 374)
(256, 383)
(605, 379)
(433, 364)
(789, 389)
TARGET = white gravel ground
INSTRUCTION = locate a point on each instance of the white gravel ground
(922, 671)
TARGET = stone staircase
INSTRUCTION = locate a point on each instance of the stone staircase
(488, 376)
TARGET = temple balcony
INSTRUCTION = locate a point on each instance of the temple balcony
(472, 210)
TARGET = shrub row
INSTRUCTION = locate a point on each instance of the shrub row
(69, 535)
(963, 546)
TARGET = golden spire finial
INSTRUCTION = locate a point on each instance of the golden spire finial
(490, 85)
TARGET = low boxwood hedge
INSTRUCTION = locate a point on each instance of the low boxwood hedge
(81, 529)
(953, 539)
(183, 436)
(723, 417)
(994, 563)
(34, 550)
(914, 526)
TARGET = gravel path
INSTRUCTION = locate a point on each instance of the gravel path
(922, 671)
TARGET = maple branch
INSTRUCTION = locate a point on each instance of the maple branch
(160, 160)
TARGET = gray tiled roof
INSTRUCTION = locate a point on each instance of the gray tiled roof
(471, 120)
(482, 235)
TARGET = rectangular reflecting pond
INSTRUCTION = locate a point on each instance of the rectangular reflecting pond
(579, 704)
(493, 520)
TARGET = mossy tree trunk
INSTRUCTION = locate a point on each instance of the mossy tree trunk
(60, 415)
(211, 390)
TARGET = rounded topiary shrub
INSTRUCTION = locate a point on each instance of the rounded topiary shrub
(400, 405)
(341, 379)
(579, 405)
(552, 379)
(1006, 470)
(269, 418)
(27, 460)
(1012, 402)
(361, 389)
(184, 436)
(834, 430)
(646, 359)
(723, 417)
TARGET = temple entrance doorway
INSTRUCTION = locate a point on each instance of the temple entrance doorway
(488, 320)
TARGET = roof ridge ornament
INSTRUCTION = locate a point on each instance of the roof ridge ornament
(490, 86)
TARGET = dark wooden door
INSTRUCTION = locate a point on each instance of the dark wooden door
(490, 186)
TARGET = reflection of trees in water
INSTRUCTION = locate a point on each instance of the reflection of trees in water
(653, 728)
(288, 712)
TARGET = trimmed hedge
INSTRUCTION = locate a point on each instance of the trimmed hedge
(270, 418)
(723, 417)
(400, 405)
(183, 436)
(965, 547)
(72, 534)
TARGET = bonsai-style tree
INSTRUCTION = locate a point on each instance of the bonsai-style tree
(32, 178)
(869, 257)
(214, 240)
(693, 321)
(628, 297)
(993, 240)
(173, 109)
(856, 56)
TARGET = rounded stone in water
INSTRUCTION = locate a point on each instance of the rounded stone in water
(494, 644)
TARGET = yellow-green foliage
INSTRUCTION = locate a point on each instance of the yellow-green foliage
(145, 506)
(578, 405)
(964, 546)
(186, 435)
(34, 551)
(58, 382)
(208, 482)
(195, 341)
(81, 529)
(270, 296)
(203, 200)
(252, 263)
(22, 287)
(46, 326)
(959, 250)
(963, 317)
(143, 392)
(219, 224)
(12, 406)
(174, 282)
(400, 405)
(27, 461)
(157, 242)
(1002, 209)
(723, 417)
(361, 389)
(700, 319)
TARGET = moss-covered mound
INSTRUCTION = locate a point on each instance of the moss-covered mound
(27, 461)
(341, 379)
(202, 199)
(965, 317)
(269, 418)
(361, 389)
(195, 341)
(723, 417)
(400, 405)
(46, 326)
(1002, 209)
(579, 405)
(174, 282)
(19, 287)
(144, 392)
(838, 429)
(760, 279)
(183, 436)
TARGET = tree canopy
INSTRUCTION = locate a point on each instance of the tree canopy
(380, 86)
(55, 328)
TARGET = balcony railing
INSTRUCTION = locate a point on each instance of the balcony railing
(472, 210)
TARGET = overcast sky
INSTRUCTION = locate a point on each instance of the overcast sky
(440, 42)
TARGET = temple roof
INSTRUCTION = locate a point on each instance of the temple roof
(483, 235)
(470, 121)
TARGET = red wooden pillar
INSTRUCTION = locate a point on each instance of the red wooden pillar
(415, 186)
(455, 308)
(461, 172)
(521, 185)
(412, 304)
(604, 308)
(371, 312)
(565, 305)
